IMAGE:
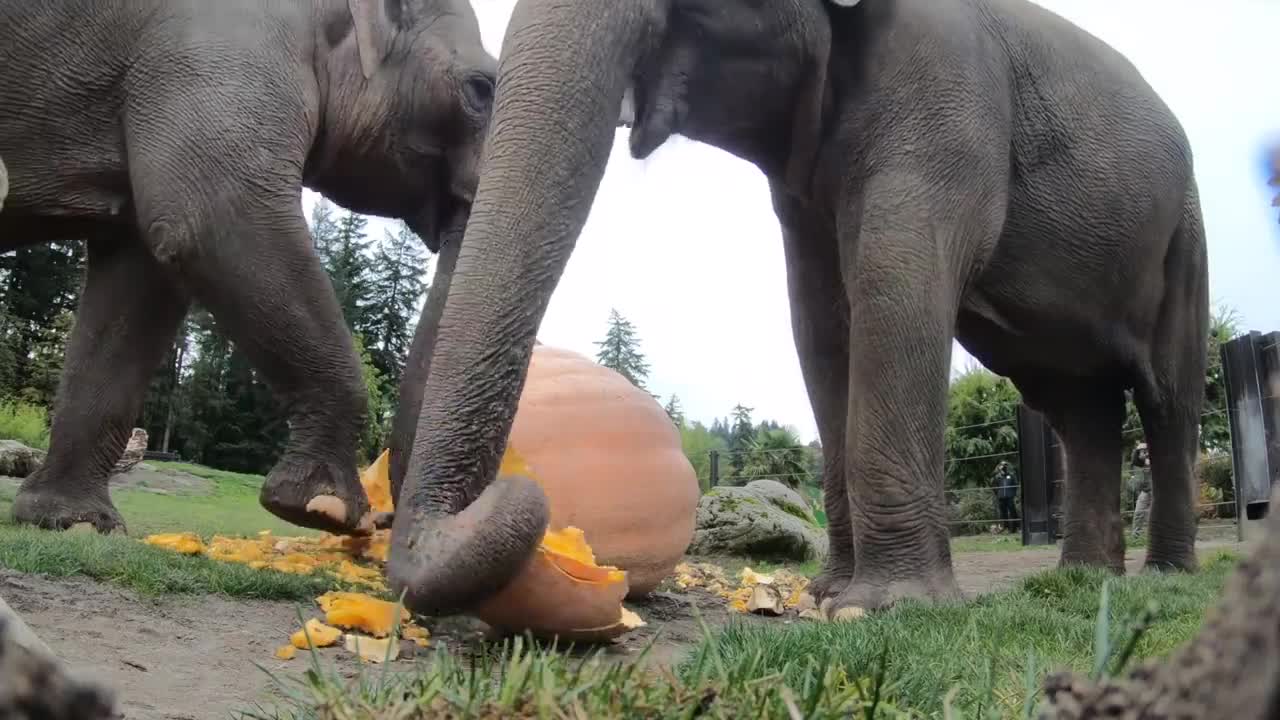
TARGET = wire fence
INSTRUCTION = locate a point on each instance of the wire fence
(975, 509)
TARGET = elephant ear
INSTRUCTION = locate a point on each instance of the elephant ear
(375, 25)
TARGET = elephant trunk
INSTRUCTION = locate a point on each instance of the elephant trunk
(462, 535)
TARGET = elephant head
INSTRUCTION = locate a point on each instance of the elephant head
(748, 76)
(404, 98)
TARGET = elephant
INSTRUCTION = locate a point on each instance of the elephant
(977, 170)
(176, 138)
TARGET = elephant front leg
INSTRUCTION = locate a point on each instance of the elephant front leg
(416, 368)
(128, 316)
(900, 352)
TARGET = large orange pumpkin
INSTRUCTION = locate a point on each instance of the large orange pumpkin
(610, 462)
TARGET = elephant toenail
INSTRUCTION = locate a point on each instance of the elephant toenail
(330, 506)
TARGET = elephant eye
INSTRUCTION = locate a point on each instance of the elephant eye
(479, 92)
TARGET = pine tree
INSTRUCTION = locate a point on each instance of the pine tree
(396, 286)
(41, 285)
(620, 350)
(674, 411)
(324, 230)
(740, 439)
(348, 268)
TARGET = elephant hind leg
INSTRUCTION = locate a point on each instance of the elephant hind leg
(820, 326)
(1169, 396)
(128, 316)
(1088, 415)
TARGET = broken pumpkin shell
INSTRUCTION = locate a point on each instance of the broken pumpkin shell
(563, 594)
(370, 649)
(356, 611)
(319, 635)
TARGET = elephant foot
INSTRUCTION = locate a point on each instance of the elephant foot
(1094, 553)
(320, 496)
(862, 596)
(1171, 562)
(832, 581)
(53, 508)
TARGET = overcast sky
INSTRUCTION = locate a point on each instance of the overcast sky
(686, 246)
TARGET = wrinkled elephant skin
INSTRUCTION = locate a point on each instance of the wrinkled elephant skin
(982, 170)
(175, 138)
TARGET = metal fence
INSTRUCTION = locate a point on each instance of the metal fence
(1250, 380)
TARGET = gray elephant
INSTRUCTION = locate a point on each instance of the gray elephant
(176, 138)
(975, 169)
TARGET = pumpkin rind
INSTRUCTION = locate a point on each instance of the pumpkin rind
(610, 462)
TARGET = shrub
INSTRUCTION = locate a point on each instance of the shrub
(1213, 476)
(26, 423)
(971, 513)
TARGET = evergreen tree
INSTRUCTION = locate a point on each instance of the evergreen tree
(324, 230)
(41, 289)
(620, 350)
(674, 411)
(740, 439)
(396, 285)
(348, 268)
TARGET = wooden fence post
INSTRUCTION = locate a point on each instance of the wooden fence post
(1251, 369)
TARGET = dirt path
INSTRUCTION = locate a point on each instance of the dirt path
(180, 658)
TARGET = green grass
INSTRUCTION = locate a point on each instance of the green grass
(28, 424)
(148, 570)
(230, 508)
(981, 659)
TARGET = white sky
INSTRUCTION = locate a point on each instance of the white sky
(686, 246)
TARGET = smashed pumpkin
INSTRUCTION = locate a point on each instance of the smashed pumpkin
(563, 593)
(355, 611)
(319, 634)
(610, 462)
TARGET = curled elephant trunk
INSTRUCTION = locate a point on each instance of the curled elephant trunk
(462, 536)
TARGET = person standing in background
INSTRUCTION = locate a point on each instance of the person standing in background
(1006, 489)
(1140, 482)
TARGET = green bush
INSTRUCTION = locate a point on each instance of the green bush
(26, 423)
(1213, 475)
(971, 512)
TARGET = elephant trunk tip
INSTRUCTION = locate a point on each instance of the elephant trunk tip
(453, 564)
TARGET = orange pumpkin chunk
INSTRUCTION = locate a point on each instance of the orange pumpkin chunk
(320, 635)
(186, 543)
(361, 612)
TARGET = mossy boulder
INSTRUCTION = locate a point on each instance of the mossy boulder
(763, 519)
(18, 460)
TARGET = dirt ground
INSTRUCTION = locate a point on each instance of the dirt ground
(197, 658)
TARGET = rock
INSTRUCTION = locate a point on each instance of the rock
(765, 600)
(133, 452)
(784, 497)
(18, 460)
(761, 519)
